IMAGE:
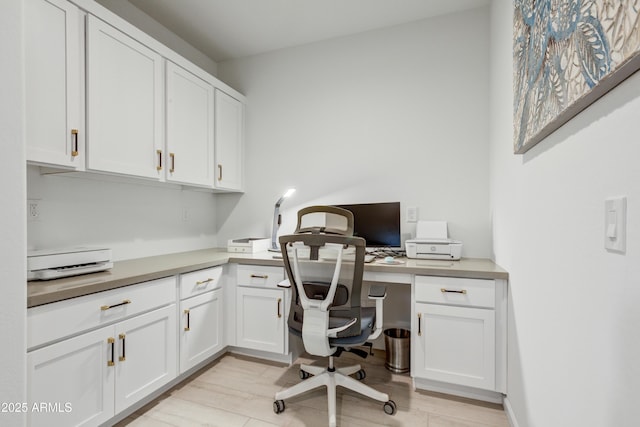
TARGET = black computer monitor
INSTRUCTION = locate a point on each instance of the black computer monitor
(377, 223)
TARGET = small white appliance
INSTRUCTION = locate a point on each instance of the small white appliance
(431, 242)
(57, 263)
(248, 245)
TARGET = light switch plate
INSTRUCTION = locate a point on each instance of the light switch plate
(412, 214)
(615, 224)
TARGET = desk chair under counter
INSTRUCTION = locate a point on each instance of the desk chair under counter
(325, 312)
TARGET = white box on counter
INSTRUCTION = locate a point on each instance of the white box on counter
(248, 245)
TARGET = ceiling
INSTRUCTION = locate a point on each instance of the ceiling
(228, 29)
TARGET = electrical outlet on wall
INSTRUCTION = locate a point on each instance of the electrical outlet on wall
(33, 210)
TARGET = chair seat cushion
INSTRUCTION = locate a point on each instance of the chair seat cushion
(367, 325)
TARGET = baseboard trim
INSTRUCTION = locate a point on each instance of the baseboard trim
(508, 410)
(264, 355)
(458, 390)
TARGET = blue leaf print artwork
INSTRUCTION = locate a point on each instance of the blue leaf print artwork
(560, 51)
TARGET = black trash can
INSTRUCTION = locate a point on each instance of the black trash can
(397, 345)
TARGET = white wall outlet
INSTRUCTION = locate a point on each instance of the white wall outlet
(33, 210)
(615, 224)
(412, 214)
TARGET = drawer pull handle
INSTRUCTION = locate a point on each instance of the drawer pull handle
(107, 307)
(74, 147)
(188, 313)
(453, 291)
(159, 153)
(419, 324)
(202, 282)
(172, 156)
(219, 172)
(259, 276)
(112, 342)
(279, 301)
(123, 357)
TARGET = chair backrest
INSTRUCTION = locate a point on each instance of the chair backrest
(324, 264)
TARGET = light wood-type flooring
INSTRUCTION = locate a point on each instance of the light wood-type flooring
(237, 391)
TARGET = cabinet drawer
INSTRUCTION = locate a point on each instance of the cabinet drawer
(51, 322)
(260, 276)
(455, 291)
(201, 281)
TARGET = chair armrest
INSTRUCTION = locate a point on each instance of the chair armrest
(377, 292)
(284, 284)
(333, 332)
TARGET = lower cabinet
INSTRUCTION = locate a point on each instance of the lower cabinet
(87, 379)
(455, 345)
(261, 320)
(89, 358)
(201, 316)
(458, 332)
(201, 333)
(261, 309)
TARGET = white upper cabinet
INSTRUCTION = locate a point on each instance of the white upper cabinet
(100, 98)
(54, 82)
(189, 156)
(124, 104)
(229, 142)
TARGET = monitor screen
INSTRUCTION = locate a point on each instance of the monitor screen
(377, 223)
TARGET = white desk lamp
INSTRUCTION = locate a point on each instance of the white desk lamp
(277, 220)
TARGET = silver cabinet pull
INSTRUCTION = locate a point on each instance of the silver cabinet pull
(202, 282)
(279, 301)
(419, 324)
(259, 276)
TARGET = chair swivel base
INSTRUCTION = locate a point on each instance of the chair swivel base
(331, 378)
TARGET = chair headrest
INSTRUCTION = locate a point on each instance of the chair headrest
(325, 220)
(319, 225)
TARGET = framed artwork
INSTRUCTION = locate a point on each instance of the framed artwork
(566, 55)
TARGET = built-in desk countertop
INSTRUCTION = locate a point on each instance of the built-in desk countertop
(139, 270)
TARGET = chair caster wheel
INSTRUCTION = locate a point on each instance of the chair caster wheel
(304, 374)
(389, 407)
(361, 374)
(278, 406)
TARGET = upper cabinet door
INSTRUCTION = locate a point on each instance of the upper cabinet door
(189, 128)
(124, 104)
(229, 142)
(54, 81)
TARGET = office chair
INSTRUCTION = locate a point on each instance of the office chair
(325, 304)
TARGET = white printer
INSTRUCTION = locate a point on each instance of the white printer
(431, 242)
(57, 263)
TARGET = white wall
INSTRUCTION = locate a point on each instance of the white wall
(133, 218)
(398, 114)
(13, 300)
(574, 346)
(144, 22)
